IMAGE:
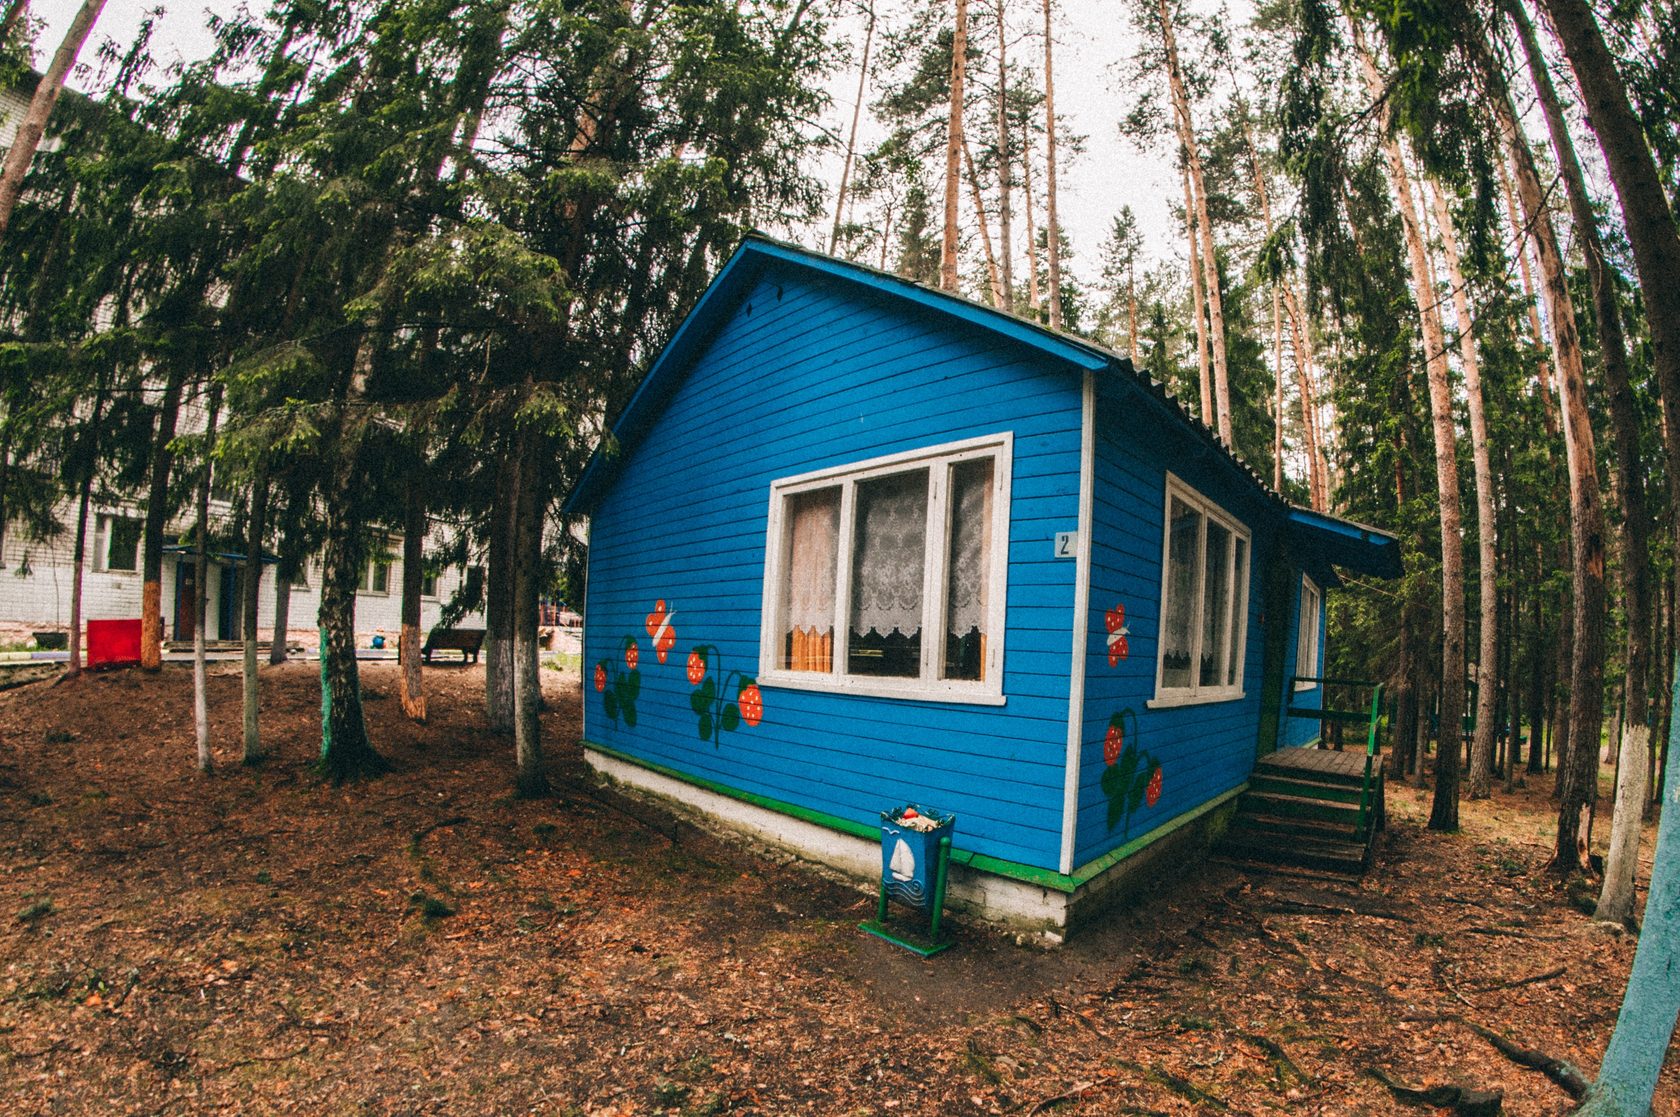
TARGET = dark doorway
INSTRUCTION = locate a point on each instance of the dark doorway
(186, 588)
(227, 605)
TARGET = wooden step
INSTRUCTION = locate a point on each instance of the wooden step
(1284, 826)
(1346, 769)
(1343, 855)
(1299, 806)
(1280, 783)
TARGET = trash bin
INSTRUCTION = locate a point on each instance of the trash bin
(910, 860)
(915, 857)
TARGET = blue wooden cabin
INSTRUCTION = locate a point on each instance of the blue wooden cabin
(859, 543)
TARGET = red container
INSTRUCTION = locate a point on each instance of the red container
(113, 643)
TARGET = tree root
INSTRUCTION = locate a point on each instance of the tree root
(1282, 1064)
(1564, 1074)
(1463, 1101)
(1182, 1087)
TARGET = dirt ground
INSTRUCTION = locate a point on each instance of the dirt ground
(256, 940)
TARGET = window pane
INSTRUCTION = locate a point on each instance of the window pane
(889, 553)
(1216, 606)
(1233, 669)
(1178, 610)
(813, 528)
(968, 574)
(125, 544)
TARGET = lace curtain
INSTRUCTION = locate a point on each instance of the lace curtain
(971, 546)
(1179, 608)
(815, 527)
(889, 554)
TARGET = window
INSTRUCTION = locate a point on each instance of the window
(887, 577)
(376, 575)
(1204, 600)
(116, 544)
(428, 582)
(300, 579)
(1306, 638)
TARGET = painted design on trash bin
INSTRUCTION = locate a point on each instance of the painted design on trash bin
(659, 629)
(1131, 777)
(711, 703)
(1115, 622)
(620, 688)
(903, 862)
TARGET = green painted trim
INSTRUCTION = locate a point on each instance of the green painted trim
(979, 862)
(1092, 869)
(805, 814)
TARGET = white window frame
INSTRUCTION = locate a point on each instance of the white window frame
(102, 538)
(1196, 694)
(938, 461)
(364, 587)
(1306, 652)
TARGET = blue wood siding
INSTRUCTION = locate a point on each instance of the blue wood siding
(809, 373)
(1203, 749)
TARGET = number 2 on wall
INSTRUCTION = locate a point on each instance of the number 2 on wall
(1067, 544)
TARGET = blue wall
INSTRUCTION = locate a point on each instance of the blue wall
(1203, 749)
(807, 373)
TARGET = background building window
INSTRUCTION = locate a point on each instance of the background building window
(116, 543)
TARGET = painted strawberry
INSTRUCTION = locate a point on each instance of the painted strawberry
(659, 628)
(1152, 793)
(600, 676)
(1115, 621)
(632, 655)
(752, 704)
(1114, 741)
(696, 668)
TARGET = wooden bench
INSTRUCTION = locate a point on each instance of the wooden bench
(467, 641)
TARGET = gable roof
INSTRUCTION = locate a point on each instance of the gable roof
(1353, 545)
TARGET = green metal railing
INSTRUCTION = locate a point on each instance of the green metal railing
(1372, 719)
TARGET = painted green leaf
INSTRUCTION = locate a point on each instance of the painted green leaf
(697, 701)
(1126, 769)
(1134, 797)
(708, 690)
(609, 699)
(631, 683)
(630, 712)
(705, 725)
(1116, 808)
(731, 718)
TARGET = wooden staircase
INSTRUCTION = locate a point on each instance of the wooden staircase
(1302, 808)
(1314, 807)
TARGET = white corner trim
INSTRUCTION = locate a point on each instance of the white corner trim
(1081, 619)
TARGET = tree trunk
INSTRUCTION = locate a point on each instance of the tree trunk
(414, 571)
(157, 515)
(498, 605)
(1586, 681)
(1616, 902)
(252, 591)
(346, 752)
(1196, 300)
(1033, 297)
(527, 682)
(995, 279)
(282, 618)
(1548, 399)
(851, 139)
(1627, 1077)
(1005, 162)
(78, 570)
(1210, 264)
(201, 588)
(1443, 813)
(1277, 382)
(953, 151)
(1487, 577)
(34, 123)
(1052, 227)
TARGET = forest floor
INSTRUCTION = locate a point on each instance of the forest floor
(256, 940)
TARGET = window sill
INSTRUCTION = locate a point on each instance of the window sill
(1299, 687)
(912, 689)
(1169, 701)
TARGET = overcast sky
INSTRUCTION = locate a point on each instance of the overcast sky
(1093, 42)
